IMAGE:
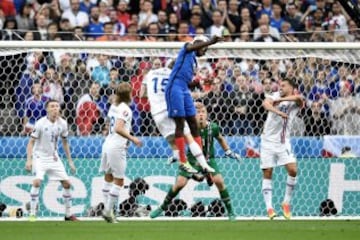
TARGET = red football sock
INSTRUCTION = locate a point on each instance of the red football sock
(198, 141)
(180, 144)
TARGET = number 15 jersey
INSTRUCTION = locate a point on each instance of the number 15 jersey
(156, 81)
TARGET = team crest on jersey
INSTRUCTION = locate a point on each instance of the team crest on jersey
(125, 113)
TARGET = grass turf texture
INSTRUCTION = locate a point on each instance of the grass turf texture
(181, 230)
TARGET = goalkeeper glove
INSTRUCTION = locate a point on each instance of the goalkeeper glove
(231, 154)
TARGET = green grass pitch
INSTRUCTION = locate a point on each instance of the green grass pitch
(181, 230)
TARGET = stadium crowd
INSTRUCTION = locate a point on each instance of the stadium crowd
(231, 89)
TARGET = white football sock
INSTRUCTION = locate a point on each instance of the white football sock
(198, 154)
(34, 194)
(290, 186)
(267, 192)
(105, 191)
(67, 201)
(112, 199)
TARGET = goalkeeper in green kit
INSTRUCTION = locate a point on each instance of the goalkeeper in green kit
(208, 131)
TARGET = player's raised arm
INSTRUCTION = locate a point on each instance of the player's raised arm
(268, 104)
(202, 42)
(293, 98)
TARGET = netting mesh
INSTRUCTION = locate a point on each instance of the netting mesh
(232, 84)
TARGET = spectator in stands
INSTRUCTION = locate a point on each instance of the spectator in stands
(267, 87)
(246, 19)
(206, 9)
(91, 110)
(122, 13)
(50, 11)
(75, 16)
(234, 17)
(109, 34)
(287, 34)
(313, 18)
(217, 28)
(34, 108)
(28, 36)
(101, 73)
(244, 34)
(132, 34)
(171, 35)
(153, 33)
(163, 22)
(195, 22)
(66, 32)
(267, 31)
(10, 32)
(52, 31)
(79, 34)
(146, 15)
(265, 8)
(226, 21)
(339, 20)
(104, 11)
(52, 85)
(319, 88)
(354, 33)
(95, 28)
(183, 32)
(293, 16)
(265, 35)
(86, 5)
(345, 111)
(220, 106)
(118, 27)
(247, 105)
(180, 8)
(114, 81)
(25, 19)
(173, 21)
(276, 19)
(315, 120)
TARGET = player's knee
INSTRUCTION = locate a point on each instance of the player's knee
(219, 184)
(292, 172)
(37, 183)
(66, 184)
(267, 173)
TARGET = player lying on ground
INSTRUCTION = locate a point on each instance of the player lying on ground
(208, 131)
(43, 157)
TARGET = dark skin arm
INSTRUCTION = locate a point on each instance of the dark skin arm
(200, 44)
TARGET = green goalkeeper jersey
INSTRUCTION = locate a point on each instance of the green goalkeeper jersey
(207, 134)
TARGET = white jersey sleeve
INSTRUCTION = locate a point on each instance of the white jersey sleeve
(276, 128)
(116, 113)
(156, 81)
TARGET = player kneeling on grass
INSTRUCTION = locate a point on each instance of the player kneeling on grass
(43, 157)
(208, 131)
(113, 159)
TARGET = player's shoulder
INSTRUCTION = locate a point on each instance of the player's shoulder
(41, 121)
(123, 107)
(62, 121)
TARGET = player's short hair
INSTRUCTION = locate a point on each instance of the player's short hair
(200, 38)
(123, 92)
(50, 101)
(291, 81)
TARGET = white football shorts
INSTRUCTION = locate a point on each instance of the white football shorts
(113, 161)
(275, 154)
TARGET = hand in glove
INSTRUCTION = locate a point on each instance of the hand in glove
(231, 154)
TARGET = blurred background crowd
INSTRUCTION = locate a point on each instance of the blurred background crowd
(231, 88)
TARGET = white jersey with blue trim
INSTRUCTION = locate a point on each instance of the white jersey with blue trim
(156, 81)
(116, 113)
(276, 128)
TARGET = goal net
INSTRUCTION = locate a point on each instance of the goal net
(325, 137)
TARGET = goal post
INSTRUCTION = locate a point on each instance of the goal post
(327, 150)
